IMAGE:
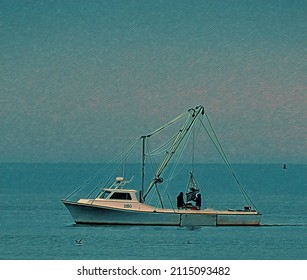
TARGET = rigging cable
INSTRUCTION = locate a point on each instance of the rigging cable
(212, 204)
(156, 152)
(123, 157)
(102, 169)
(170, 177)
(168, 124)
(220, 150)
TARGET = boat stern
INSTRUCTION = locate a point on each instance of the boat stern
(239, 219)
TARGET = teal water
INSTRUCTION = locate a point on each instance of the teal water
(35, 224)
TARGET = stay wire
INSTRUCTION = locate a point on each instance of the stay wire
(168, 124)
(112, 171)
(183, 145)
(102, 169)
(220, 150)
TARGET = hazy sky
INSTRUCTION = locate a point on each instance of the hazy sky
(80, 78)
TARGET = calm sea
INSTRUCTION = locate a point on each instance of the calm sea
(35, 225)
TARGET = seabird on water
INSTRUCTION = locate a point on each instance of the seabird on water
(79, 242)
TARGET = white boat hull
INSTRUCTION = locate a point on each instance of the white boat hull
(93, 214)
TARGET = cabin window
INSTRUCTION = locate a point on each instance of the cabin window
(123, 196)
(104, 195)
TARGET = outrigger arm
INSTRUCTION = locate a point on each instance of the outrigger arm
(169, 154)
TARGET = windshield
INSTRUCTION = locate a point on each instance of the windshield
(123, 196)
(104, 195)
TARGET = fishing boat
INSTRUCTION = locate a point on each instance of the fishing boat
(115, 203)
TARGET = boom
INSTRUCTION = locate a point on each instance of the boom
(180, 136)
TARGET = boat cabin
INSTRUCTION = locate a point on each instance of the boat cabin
(118, 194)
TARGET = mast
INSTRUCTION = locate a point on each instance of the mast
(193, 114)
(143, 169)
